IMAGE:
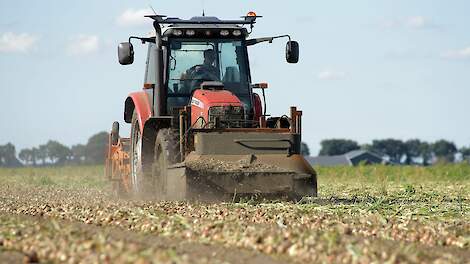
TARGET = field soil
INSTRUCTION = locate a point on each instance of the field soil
(362, 215)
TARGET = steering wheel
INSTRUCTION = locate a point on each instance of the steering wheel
(200, 73)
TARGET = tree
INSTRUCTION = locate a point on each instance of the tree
(57, 152)
(465, 153)
(96, 148)
(304, 149)
(42, 154)
(79, 153)
(444, 150)
(393, 148)
(26, 156)
(413, 150)
(8, 156)
(34, 155)
(425, 151)
(2, 156)
(331, 147)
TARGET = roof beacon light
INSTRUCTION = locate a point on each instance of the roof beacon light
(251, 14)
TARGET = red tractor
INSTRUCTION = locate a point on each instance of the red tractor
(198, 130)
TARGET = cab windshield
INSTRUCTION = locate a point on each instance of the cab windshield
(192, 62)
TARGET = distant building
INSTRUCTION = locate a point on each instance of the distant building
(352, 158)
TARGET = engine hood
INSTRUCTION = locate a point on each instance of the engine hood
(208, 98)
(204, 100)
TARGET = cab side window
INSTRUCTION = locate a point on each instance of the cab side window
(150, 70)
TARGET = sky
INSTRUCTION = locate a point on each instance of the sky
(367, 70)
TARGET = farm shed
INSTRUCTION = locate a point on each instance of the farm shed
(351, 158)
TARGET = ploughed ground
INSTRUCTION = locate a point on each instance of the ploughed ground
(68, 215)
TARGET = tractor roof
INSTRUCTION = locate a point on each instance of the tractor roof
(203, 20)
(198, 23)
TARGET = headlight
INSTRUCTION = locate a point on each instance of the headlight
(228, 116)
(226, 110)
(177, 32)
(237, 33)
(224, 32)
(190, 32)
(216, 110)
(237, 109)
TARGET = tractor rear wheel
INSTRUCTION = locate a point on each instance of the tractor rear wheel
(166, 153)
(142, 185)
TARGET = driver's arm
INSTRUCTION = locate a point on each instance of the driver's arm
(184, 82)
(186, 78)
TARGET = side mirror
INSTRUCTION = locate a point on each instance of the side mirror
(292, 51)
(126, 53)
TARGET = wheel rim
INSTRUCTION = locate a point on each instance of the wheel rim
(136, 160)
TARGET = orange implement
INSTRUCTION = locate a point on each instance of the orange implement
(118, 166)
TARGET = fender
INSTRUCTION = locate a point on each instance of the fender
(140, 102)
(148, 125)
(257, 106)
(149, 135)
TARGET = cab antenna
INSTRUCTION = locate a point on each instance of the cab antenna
(153, 9)
(203, 7)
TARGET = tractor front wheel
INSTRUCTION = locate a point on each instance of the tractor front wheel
(141, 185)
(165, 154)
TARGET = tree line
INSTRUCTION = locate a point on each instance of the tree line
(411, 151)
(54, 153)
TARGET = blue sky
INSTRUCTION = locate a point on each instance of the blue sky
(368, 69)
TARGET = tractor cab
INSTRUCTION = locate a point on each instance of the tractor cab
(192, 62)
(203, 53)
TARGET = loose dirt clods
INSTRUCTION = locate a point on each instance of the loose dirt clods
(245, 165)
(353, 220)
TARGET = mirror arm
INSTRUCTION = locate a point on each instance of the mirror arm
(251, 42)
(143, 40)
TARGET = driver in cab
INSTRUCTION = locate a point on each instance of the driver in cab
(197, 74)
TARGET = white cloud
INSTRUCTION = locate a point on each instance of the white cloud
(413, 22)
(134, 17)
(458, 54)
(418, 22)
(83, 44)
(331, 75)
(12, 42)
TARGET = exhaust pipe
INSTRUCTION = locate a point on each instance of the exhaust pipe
(160, 106)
